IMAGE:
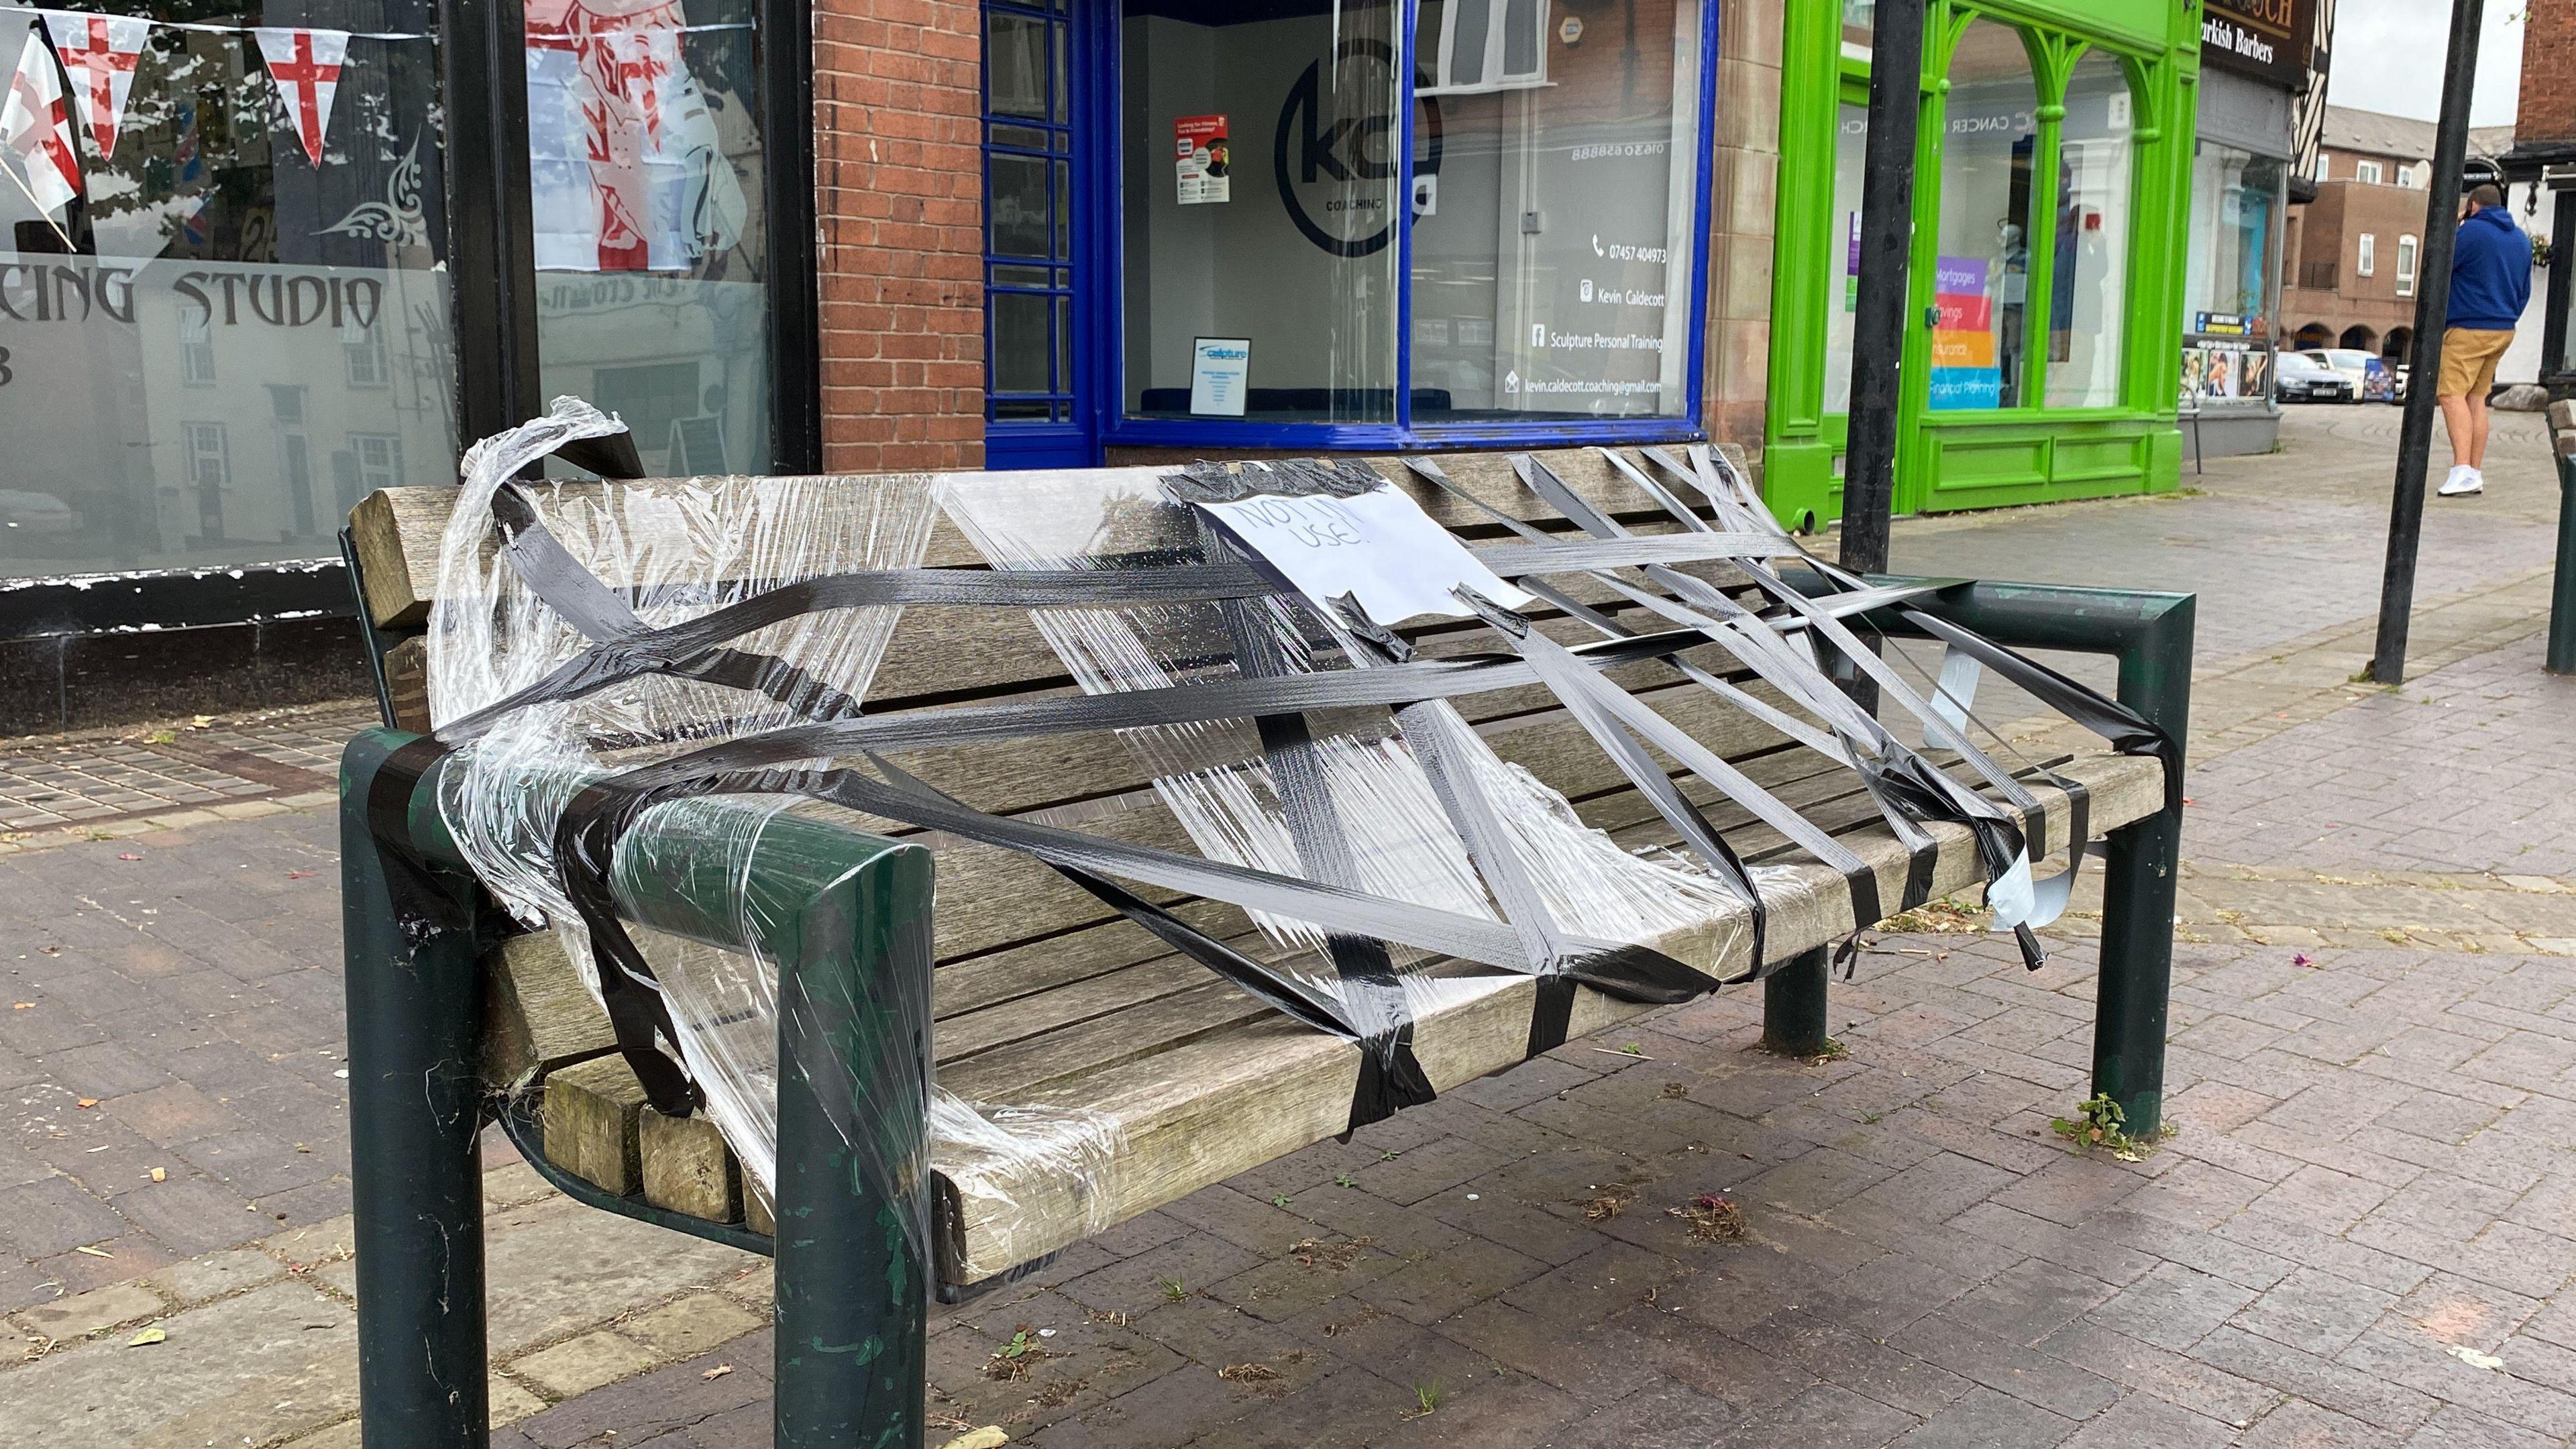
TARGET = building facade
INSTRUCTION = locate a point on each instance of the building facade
(2543, 158)
(312, 252)
(2262, 73)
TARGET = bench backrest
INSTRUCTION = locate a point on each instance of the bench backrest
(993, 900)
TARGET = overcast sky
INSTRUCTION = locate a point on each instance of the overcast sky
(2388, 57)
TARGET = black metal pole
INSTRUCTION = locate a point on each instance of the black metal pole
(1793, 1005)
(2432, 309)
(1886, 252)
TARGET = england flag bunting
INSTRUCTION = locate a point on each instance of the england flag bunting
(99, 53)
(306, 67)
(36, 129)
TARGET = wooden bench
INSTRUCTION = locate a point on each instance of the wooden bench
(1041, 994)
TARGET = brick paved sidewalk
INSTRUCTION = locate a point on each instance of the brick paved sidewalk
(2362, 1235)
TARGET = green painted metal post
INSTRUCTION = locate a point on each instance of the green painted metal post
(853, 1167)
(2141, 872)
(2150, 634)
(415, 1115)
(1793, 1006)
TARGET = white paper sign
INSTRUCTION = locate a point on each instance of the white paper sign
(1217, 375)
(1379, 546)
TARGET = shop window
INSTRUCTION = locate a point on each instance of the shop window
(1851, 143)
(646, 178)
(2366, 263)
(2089, 271)
(230, 199)
(2406, 266)
(2236, 206)
(1489, 45)
(1550, 229)
(1860, 24)
(1981, 279)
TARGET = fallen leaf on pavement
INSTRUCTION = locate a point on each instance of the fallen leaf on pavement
(160, 1175)
(2301, 958)
(988, 1437)
(86, 1103)
(2475, 1359)
(719, 1371)
(147, 1336)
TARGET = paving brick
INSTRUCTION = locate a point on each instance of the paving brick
(581, 1364)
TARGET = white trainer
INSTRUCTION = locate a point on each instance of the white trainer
(2464, 481)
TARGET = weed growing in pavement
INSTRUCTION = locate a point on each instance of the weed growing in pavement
(2101, 1123)
(1173, 1289)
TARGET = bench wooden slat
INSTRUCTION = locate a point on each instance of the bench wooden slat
(1229, 1100)
(398, 531)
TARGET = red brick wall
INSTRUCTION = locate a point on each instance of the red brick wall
(898, 194)
(2548, 111)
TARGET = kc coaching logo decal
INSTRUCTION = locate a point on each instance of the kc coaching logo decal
(1336, 172)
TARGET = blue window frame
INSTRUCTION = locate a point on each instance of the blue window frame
(1101, 351)
(1035, 413)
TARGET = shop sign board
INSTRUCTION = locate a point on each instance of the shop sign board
(2266, 39)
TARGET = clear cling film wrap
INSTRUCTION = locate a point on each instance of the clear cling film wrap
(1102, 698)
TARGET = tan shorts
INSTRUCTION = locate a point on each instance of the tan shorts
(2469, 358)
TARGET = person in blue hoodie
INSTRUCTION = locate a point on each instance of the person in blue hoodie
(2490, 284)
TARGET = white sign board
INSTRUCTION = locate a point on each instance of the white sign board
(1217, 376)
(1379, 546)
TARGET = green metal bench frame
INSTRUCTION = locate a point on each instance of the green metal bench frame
(851, 931)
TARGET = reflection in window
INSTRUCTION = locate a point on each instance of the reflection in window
(1851, 141)
(1551, 233)
(646, 170)
(2090, 267)
(1860, 23)
(204, 266)
(2235, 201)
(1981, 282)
(1294, 254)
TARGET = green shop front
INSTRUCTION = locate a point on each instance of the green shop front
(2052, 169)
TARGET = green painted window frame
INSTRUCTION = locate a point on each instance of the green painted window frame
(2157, 44)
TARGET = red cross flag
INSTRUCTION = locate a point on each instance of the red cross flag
(99, 53)
(306, 66)
(37, 130)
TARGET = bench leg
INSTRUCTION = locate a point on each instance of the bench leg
(415, 1116)
(853, 1260)
(2137, 969)
(1793, 1006)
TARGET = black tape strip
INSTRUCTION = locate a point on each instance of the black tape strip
(1391, 1078)
(586, 837)
(691, 648)
(421, 905)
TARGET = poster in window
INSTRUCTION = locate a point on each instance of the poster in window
(1202, 159)
(1965, 370)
